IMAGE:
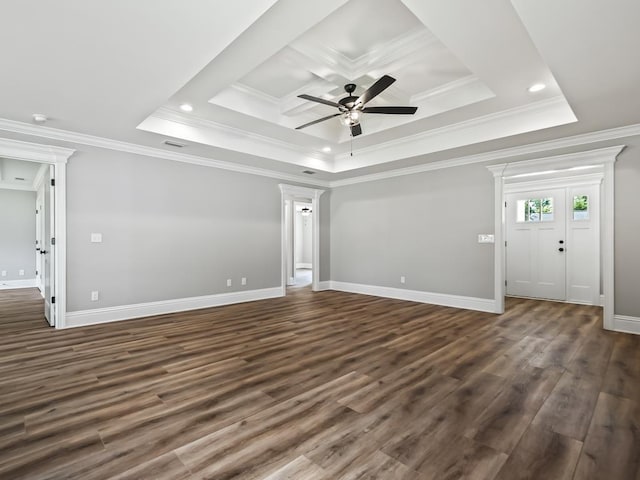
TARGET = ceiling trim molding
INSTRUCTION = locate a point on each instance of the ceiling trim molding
(472, 124)
(522, 168)
(84, 139)
(445, 89)
(33, 152)
(13, 186)
(171, 115)
(576, 140)
(101, 142)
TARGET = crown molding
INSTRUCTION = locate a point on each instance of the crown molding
(471, 125)
(49, 154)
(171, 115)
(33, 152)
(599, 156)
(447, 88)
(14, 186)
(110, 144)
(540, 147)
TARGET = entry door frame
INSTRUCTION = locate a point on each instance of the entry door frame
(58, 157)
(572, 164)
(565, 183)
(291, 193)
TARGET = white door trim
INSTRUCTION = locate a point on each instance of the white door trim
(57, 156)
(293, 192)
(572, 165)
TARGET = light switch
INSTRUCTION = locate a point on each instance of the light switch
(96, 238)
(486, 238)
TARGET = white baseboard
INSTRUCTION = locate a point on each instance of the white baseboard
(303, 265)
(326, 285)
(11, 284)
(626, 324)
(82, 318)
(602, 300)
(444, 299)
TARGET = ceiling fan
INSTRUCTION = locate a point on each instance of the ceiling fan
(351, 107)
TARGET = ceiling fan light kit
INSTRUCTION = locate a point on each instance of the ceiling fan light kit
(351, 108)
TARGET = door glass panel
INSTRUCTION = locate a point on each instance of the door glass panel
(581, 207)
(547, 209)
(535, 210)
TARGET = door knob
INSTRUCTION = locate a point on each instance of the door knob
(561, 249)
(43, 252)
(561, 242)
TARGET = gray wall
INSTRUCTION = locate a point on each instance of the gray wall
(627, 229)
(425, 227)
(170, 230)
(173, 230)
(17, 234)
(421, 226)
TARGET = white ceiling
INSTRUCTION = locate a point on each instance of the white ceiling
(119, 70)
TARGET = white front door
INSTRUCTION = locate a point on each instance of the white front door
(536, 244)
(47, 249)
(553, 244)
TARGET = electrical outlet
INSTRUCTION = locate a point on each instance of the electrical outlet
(228, 282)
(21, 273)
(4, 273)
(96, 238)
(94, 296)
(403, 279)
(243, 281)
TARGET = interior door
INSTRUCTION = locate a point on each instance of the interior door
(47, 249)
(535, 249)
(39, 237)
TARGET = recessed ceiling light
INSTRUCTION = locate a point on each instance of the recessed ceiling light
(326, 149)
(39, 117)
(186, 107)
(537, 87)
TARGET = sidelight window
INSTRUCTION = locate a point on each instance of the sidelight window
(581, 207)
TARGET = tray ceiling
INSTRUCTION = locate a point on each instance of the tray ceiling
(437, 68)
(105, 75)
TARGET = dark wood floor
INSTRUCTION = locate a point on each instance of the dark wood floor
(320, 386)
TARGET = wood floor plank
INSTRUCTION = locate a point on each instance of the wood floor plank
(300, 468)
(319, 385)
(569, 407)
(503, 422)
(622, 378)
(542, 453)
(612, 447)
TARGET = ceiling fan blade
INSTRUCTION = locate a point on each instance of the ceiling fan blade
(376, 89)
(391, 110)
(356, 130)
(319, 100)
(317, 121)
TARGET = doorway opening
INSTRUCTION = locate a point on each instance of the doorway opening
(300, 237)
(303, 244)
(48, 220)
(561, 171)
